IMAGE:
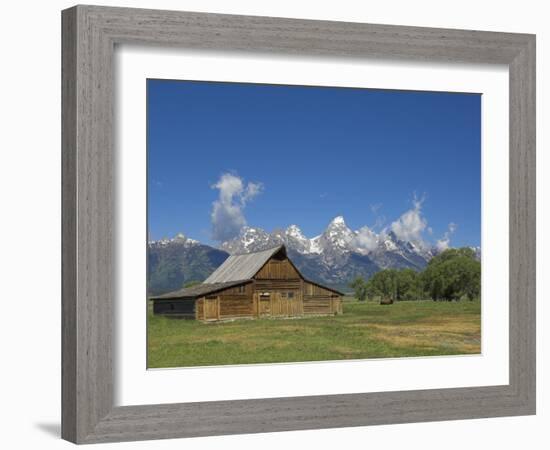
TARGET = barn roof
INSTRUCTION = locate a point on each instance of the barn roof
(242, 267)
(200, 290)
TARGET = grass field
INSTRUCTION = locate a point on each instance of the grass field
(365, 330)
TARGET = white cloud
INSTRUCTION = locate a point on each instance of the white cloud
(365, 239)
(445, 242)
(227, 211)
(442, 244)
(411, 224)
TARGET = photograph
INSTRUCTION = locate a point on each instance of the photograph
(292, 224)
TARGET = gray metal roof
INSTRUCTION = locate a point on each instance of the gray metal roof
(199, 290)
(242, 267)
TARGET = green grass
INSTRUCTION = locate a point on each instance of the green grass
(365, 330)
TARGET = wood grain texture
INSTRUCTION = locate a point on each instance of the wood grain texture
(89, 36)
(68, 226)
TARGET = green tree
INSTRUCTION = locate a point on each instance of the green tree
(191, 283)
(359, 285)
(453, 274)
(396, 284)
(407, 285)
(383, 284)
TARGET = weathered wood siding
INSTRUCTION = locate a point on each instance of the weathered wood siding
(286, 304)
(236, 306)
(277, 285)
(311, 289)
(262, 305)
(245, 289)
(234, 302)
(211, 309)
(199, 309)
(280, 296)
(278, 270)
(318, 300)
(337, 305)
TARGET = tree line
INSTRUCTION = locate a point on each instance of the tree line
(454, 274)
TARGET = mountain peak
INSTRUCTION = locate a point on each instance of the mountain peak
(391, 234)
(336, 240)
(338, 220)
(179, 238)
(294, 230)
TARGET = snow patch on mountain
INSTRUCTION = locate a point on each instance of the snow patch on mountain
(179, 239)
(335, 245)
(315, 246)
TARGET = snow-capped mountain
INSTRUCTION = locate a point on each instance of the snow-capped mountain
(336, 241)
(251, 240)
(335, 257)
(336, 238)
(293, 238)
(391, 252)
(339, 253)
(334, 245)
(178, 239)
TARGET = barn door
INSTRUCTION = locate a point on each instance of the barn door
(282, 304)
(211, 308)
(295, 304)
(264, 304)
(277, 307)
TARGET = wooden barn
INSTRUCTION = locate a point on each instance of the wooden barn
(260, 284)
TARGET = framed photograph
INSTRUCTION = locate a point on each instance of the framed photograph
(278, 224)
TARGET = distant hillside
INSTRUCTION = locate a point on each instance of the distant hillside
(174, 262)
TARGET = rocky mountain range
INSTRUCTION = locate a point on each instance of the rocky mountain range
(334, 257)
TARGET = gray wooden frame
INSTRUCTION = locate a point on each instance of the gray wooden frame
(89, 36)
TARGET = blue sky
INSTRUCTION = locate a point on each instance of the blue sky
(303, 155)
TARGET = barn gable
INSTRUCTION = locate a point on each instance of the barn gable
(246, 266)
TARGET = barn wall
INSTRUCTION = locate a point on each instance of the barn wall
(234, 306)
(278, 270)
(234, 302)
(269, 285)
(314, 290)
(318, 300)
(288, 297)
(199, 309)
(284, 300)
(245, 289)
(210, 307)
(174, 307)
